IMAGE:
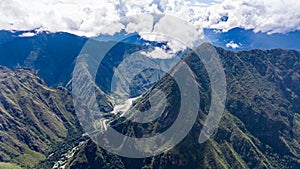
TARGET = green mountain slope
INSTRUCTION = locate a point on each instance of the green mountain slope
(259, 129)
(34, 119)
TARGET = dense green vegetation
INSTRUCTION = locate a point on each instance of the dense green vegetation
(8, 166)
(259, 129)
(35, 119)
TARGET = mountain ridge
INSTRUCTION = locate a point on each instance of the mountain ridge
(260, 127)
(34, 117)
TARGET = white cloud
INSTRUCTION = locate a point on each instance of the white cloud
(271, 16)
(142, 23)
(88, 17)
(81, 17)
(157, 53)
(112, 28)
(177, 33)
(182, 30)
(232, 45)
(27, 34)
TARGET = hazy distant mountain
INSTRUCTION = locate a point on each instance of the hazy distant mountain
(238, 39)
(52, 55)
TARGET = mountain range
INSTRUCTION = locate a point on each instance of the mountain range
(259, 129)
(39, 128)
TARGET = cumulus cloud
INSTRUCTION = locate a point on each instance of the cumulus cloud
(27, 34)
(232, 45)
(178, 33)
(88, 17)
(113, 28)
(81, 17)
(157, 53)
(271, 16)
(140, 24)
